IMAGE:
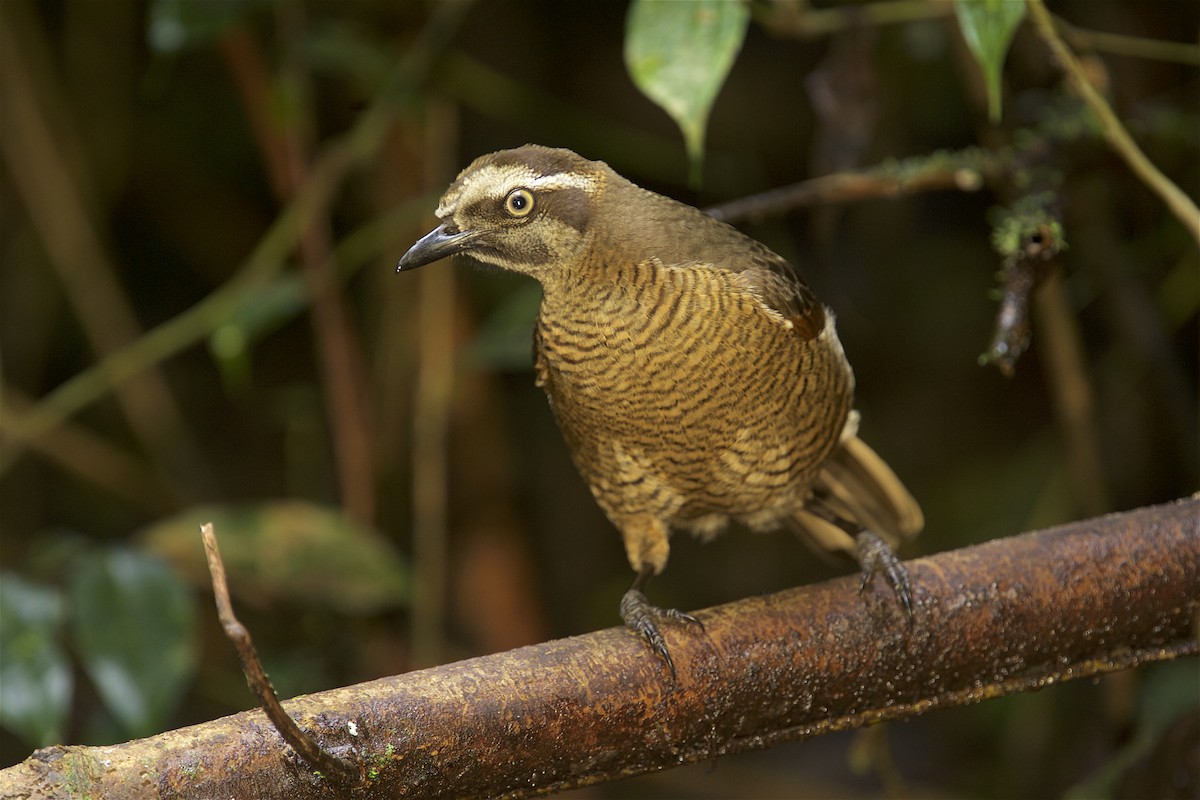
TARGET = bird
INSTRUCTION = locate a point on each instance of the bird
(695, 376)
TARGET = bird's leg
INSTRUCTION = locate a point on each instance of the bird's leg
(640, 615)
(874, 555)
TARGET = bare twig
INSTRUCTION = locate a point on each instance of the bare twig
(1180, 204)
(963, 170)
(305, 745)
(1124, 45)
(1012, 615)
(799, 19)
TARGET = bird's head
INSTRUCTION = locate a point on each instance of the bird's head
(527, 210)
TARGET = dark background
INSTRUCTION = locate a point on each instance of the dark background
(172, 173)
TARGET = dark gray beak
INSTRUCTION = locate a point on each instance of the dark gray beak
(438, 243)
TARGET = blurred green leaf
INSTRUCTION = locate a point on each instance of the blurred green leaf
(679, 53)
(988, 26)
(288, 550)
(1167, 691)
(173, 25)
(133, 623)
(261, 311)
(339, 48)
(35, 676)
(504, 341)
(266, 308)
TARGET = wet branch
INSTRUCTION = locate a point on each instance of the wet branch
(1010, 615)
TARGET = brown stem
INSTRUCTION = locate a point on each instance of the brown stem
(287, 154)
(1072, 393)
(432, 400)
(357, 146)
(800, 20)
(305, 745)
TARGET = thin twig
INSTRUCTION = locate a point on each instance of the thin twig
(1124, 45)
(800, 20)
(964, 170)
(305, 746)
(1118, 137)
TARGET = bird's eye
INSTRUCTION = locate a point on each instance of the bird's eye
(519, 203)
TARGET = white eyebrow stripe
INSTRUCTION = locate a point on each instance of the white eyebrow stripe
(511, 177)
(564, 180)
(499, 181)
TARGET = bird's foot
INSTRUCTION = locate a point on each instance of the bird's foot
(641, 616)
(875, 555)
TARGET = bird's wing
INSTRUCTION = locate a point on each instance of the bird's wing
(679, 235)
(777, 284)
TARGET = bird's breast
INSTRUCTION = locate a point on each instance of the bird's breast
(702, 388)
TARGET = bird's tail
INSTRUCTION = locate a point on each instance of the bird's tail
(856, 485)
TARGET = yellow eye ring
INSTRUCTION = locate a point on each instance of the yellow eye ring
(519, 203)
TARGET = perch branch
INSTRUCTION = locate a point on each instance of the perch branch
(1015, 614)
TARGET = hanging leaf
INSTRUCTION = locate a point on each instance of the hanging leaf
(679, 54)
(134, 625)
(988, 26)
(35, 677)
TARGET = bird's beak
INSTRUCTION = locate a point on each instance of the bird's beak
(438, 243)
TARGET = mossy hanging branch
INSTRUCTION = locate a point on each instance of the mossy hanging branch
(1028, 236)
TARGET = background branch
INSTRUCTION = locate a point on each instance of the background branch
(1010, 615)
(1180, 204)
(56, 198)
(324, 178)
(285, 143)
(963, 170)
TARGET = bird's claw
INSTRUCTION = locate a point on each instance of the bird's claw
(875, 556)
(639, 615)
